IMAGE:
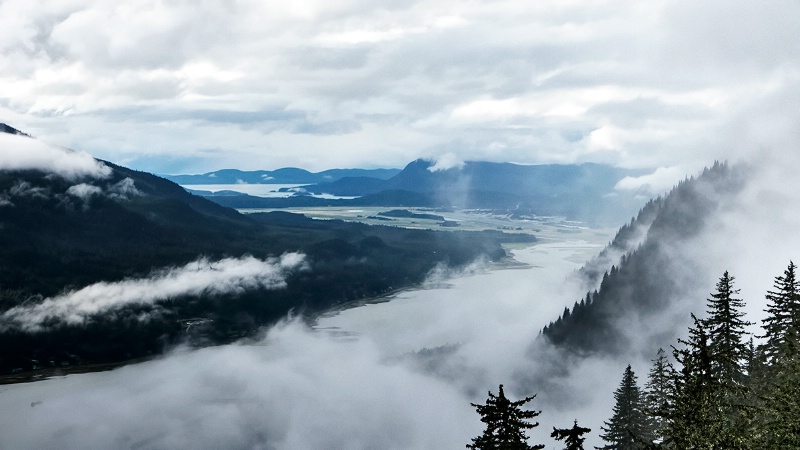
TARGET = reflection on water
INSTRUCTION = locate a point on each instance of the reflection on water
(258, 190)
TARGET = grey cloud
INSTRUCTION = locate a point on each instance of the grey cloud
(26, 189)
(231, 65)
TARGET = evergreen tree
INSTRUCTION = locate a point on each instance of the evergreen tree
(780, 424)
(780, 382)
(571, 436)
(726, 330)
(628, 427)
(729, 353)
(783, 313)
(658, 391)
(692, 421)
(506, 423)
(756, 381)
(701, 415)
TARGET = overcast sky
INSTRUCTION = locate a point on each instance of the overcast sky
(179, 86)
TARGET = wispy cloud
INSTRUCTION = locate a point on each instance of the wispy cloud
(201, 277)
(446, 162)
(653, 184)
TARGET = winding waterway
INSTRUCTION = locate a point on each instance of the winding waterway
(344, 384)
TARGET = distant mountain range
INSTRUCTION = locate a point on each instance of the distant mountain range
(288, 175)
(581, 192)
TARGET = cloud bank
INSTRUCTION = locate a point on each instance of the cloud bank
(295, 390)
(172, 87)
(24, 153)
(201, 277)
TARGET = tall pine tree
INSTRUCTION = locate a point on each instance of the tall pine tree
(783, 313)
(779, 423)
(693, 421)
(729, 354)
(658, 391)
(726, 331)
(506, 423)
(628, 427)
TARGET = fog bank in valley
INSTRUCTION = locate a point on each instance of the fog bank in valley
(298, 388)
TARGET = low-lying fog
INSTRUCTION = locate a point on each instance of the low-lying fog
(394, 375)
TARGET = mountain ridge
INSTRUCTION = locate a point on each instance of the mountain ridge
(285, 175)
(635, 276)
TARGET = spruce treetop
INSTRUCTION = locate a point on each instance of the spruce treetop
(506, 423)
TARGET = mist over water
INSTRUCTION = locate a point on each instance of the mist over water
(392, 375)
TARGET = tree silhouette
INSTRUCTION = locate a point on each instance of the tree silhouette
(628, 427)
(506, 423)
(571, 436)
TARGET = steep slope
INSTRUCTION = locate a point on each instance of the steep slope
(643, 273)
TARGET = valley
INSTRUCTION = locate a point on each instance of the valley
(434, 340)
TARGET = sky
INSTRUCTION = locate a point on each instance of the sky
(178, 86)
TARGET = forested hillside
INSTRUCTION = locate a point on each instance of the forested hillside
(639, 274)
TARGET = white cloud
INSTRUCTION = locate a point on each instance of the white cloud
(201, 277)
(123, 189)
(170, 87)
(653, 184)
(446, 161)
(24, 153)
(84, 191)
